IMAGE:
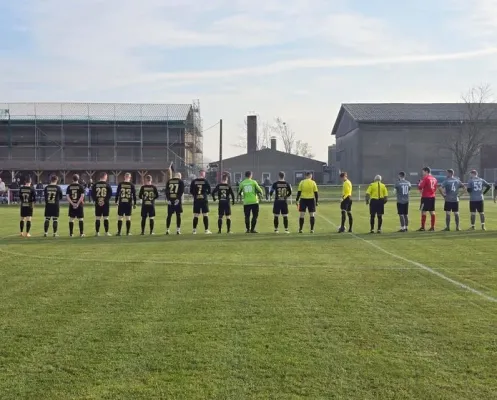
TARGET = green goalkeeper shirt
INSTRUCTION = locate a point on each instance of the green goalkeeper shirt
(250, 190)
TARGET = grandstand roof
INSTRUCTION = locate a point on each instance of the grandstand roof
(94, 111)
(410, 112)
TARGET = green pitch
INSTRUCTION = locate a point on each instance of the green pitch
(265, 316)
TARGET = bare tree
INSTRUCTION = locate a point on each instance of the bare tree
(303, 149)
(286, 134)
(264, 133)
(470, 134)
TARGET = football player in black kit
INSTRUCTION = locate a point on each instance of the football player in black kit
(200, 190)
(27, 197)
(75, 194)
(282, 191)
(175, 188)
(101, 193)
(126, 202)
(148, 194)
(226, 198)
(53, 195)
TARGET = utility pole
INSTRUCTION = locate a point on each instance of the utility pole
(220, 150)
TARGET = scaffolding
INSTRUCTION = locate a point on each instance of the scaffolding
(87, 135)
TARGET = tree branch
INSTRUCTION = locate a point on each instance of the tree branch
(470, 135)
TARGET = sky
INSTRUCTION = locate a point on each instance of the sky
(293, 59)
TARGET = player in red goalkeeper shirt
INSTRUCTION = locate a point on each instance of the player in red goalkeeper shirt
(428, 188)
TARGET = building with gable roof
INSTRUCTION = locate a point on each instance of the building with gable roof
(387, 138)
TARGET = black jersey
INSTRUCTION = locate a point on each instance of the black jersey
(75, 190)
(101, 192)
(175, 189)
(27, 196)
(53, 195)
(282, 190)
(200, 189)
(148, 194)
(126, 193)
(224, 192)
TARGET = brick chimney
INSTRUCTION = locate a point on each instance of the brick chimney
(251, 133)
(273, 143)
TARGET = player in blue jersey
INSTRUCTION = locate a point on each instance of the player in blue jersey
(477, 189)
(449, 189)
(402, 189)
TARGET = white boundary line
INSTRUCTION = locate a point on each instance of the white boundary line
(419, 265)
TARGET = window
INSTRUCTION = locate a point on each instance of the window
(266, 175)
(298, 176)
(238, 176)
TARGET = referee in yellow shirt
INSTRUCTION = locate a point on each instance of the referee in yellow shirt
(346, 203)
(376, 197)
(307, 200)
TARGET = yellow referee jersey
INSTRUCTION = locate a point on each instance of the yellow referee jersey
(377, 190)
(346, 189)
(307, 188)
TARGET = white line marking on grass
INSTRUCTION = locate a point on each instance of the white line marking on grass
(419, 265)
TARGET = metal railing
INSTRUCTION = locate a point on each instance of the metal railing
(327, 193)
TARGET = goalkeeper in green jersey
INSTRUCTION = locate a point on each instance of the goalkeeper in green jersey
(251, 192)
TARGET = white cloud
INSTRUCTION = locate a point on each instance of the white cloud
(368, 35)
(99, 44)
(176, 78)
(477, 19)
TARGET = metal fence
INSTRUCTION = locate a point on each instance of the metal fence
(327, 193)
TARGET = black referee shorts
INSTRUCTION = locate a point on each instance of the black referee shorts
(346, 204)
(376, 206)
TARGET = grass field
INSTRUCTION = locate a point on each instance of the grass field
(323, 316)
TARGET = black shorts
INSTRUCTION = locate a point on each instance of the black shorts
(427, 204)
(451, 206)
(376, 206)
(200, 206)
(280, 207)
(26, 212)
(403, 208)
(52, 211)
(174, 209)
(346, 204)
(307, 205)
(124, 209)
(76, 213)
(476, 206)
(224, 208)
(148, 211)
(251, 208)
(102, 211)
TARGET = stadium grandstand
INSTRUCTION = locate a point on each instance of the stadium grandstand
(40, 139)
